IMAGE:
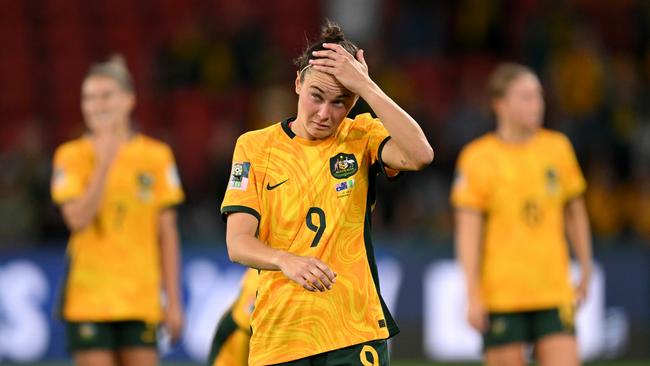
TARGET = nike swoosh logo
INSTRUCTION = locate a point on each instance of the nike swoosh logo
(270, 187)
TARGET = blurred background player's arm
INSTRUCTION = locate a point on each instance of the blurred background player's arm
(244, 248)
(469, 227)
(576, 223)
(80, 212)
(170, 259)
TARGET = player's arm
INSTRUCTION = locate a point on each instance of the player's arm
(576, 223)
(170, 265)
(469, 230)
(80, 212)
(245, 248)
(408, 148)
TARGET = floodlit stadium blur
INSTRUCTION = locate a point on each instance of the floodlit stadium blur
(206, 71)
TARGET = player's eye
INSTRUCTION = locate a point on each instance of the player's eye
(316, 97)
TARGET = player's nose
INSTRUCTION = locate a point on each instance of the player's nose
(324, 113)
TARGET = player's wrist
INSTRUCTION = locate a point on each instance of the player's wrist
(586, 269)
(279, 259)
(474, 294)
(370, 90)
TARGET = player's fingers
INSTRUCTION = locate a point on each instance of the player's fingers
(337, 48)
(175, 332)
(479, 321)
(485, 324)
(474, 323)
(326, 69)
(361, 58)
(314, 282)
(331, 275)
(299, 277)
(322, 277)
(306, 285)
(324, 62)
(327, 54)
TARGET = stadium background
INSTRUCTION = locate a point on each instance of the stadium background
(205, 71)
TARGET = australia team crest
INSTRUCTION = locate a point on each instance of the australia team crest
(145, 186)
(343, 165)
(552, 181)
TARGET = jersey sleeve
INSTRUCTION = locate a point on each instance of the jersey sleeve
(242, 191)
(469, 189)
(571, 178)
(68, 182)
(169, 191)
(378, 137)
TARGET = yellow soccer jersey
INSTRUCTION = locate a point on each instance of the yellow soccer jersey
(313, 198)
(234, 350)
(114, 271)
(522, 190)
(243, 306)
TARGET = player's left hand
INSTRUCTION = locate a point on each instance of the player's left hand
(174, 321)
(350, 71)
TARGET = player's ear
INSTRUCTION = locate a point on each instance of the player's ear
(497, 106)
(298, 83)
(131, 101)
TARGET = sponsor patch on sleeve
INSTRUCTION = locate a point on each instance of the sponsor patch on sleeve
(239, 176)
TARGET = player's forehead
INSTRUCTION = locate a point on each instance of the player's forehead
(326, 84)
(525, 81)
(99, 84)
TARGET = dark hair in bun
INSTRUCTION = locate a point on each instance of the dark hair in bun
(330, 33)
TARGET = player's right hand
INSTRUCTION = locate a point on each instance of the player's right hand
(477, 315)
(106, 145)
(309, 272)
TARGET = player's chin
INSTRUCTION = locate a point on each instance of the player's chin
(536, 125)
(321, 132)
(533, 124)
(99, 121)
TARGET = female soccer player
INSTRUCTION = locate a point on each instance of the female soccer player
(516, 192)
(117, 190)
(298, 207)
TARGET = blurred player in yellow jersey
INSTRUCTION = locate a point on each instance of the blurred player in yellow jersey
(117, 190)
(298, 207)
(516, 193)
(230, 341)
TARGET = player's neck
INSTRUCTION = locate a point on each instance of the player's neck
(298, 128)
(124, 132)
(512, 134)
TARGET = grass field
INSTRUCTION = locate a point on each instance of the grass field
(393, 363)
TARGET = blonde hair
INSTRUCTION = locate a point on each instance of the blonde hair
(502, 76)
(114, 68)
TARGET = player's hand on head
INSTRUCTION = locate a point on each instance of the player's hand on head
(309, 272)
(351, 71)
